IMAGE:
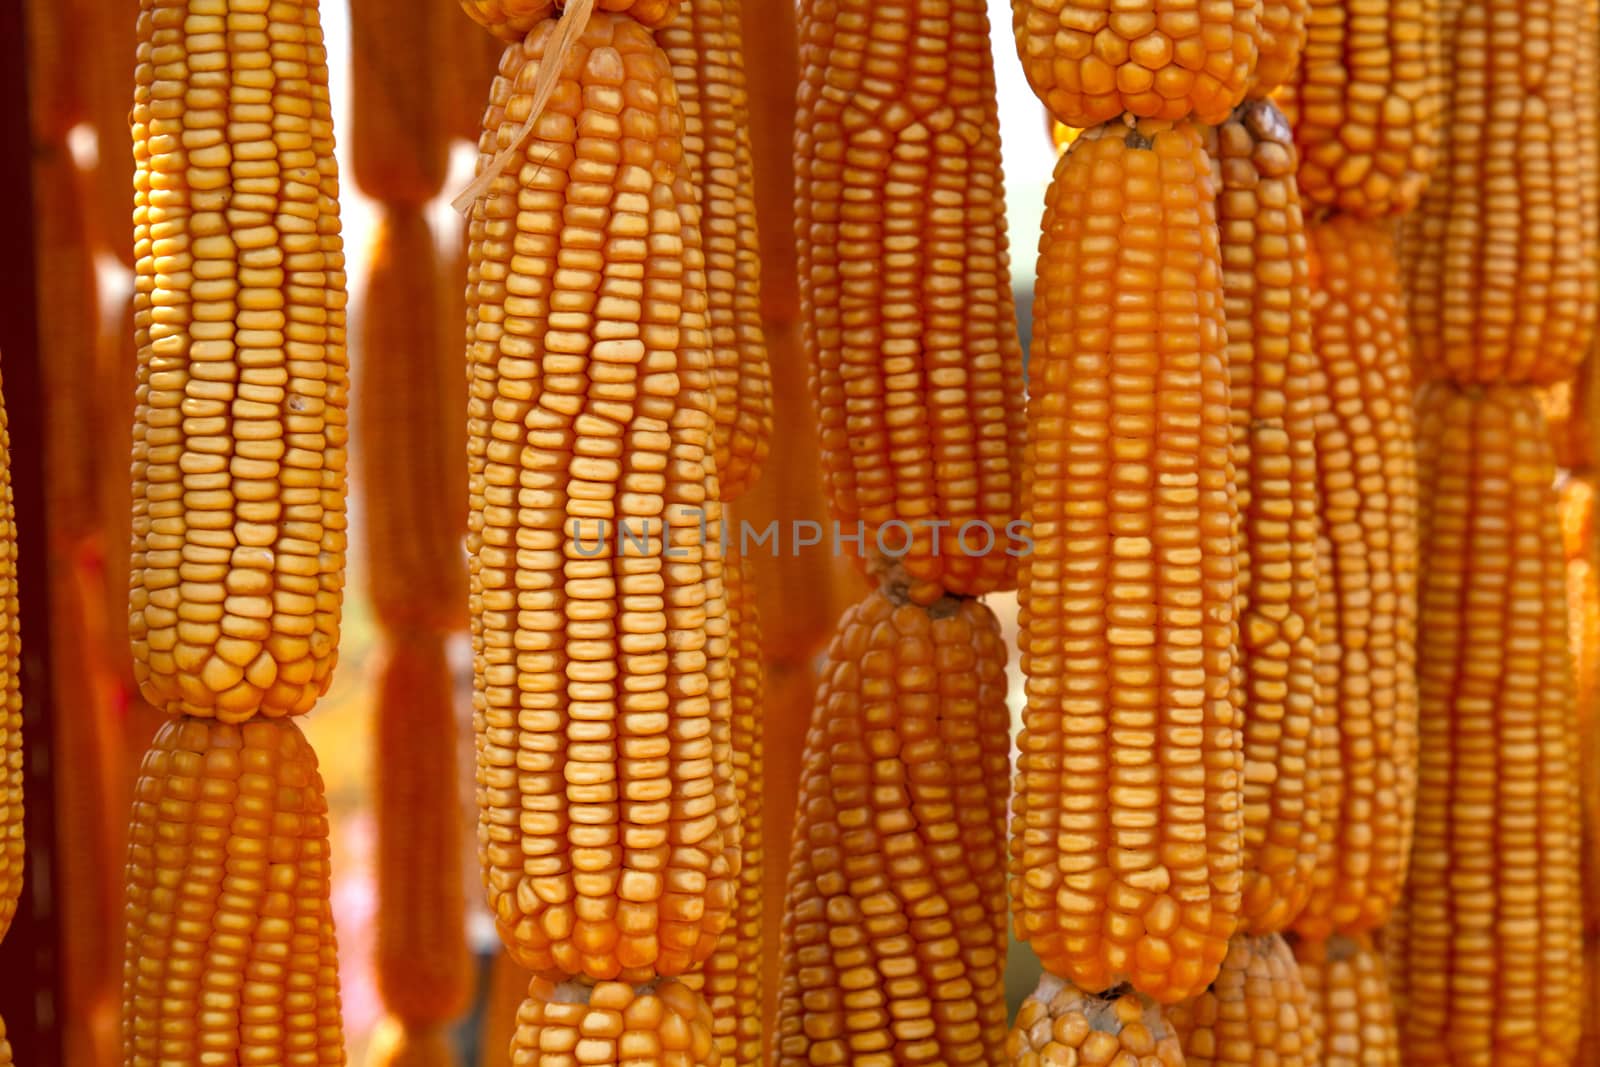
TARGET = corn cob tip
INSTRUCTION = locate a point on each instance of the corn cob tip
(661, 1022)
(510, 20)
(1059, 1023)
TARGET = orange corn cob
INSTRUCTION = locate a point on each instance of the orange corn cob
(423, 967)
(656, 1025)
(410, 397)
(916, 370)
(1366, 461)
(240, 432)
(894, 931)
(1349, 992)
(1283, 38)
(1502, 254)
(1270, 366)
(112, 41)
(508, 985)
(608, 823)
(1367, 104)
(394, 1044)
(1060, 1025)
(1492, 924)
(1127, 835)
(1256, 1014)
(705, 45)
(11, 858)
(1092, 60)
(399, 129)
(230, 944)
(731, 979)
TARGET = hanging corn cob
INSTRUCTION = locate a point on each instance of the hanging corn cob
(909, 321)
(1491, 935)
(1127, 841)
(909, 330)
(1349, 992)
(1503, 258)
(1367, 104)
(11, 854)
(1365, 456)
(239, 460)
(893, 945)
(1059, 1024)
(608, 821)
(1270, 367)
(1257, 1012)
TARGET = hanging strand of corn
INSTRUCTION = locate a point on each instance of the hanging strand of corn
(411, 446)
(894, 941)
(609, 820)
(1503, 267)
(94, 787)
(238, 534)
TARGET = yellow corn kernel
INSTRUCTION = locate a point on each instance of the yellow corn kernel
(1092, 60)
(1060, 1025)
(1503, 255)
(11, 857)
(731, 979)
(894, 929)
(706, 47)
(230, 943)
(1256, 1014)
(240, 429)
(511, 20)
(662, 1024)
(608, 821)
(1283, 38)
(1492, 924)
(905, 282)
(1270, 367)
(423, 967)
(1349, 992)
(1127, 837)
(409, 400)
(1368, 103)
(1368, 484)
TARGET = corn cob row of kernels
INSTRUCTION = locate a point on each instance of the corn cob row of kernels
(11, 828)
(1256, 1014)
(1349, 989)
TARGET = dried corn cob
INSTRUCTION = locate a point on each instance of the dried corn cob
(1283, 36)
(1092, 60)
(1346, 980)
(508, 986)
(512, 20)
(1366, 460)
(1502, 254)
(894, 936)
(230, 945)
(655, 1025)
(916, 369)
(423, 967)
(1368, 104)
(608, 823)
(1257, 1012)
(410, 399)
(239, 439)
(705, 45)
(1270, 367)
(1492, 918)
(399, 130)
(1127, 837)
(731, 979)
(1060, 1025)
